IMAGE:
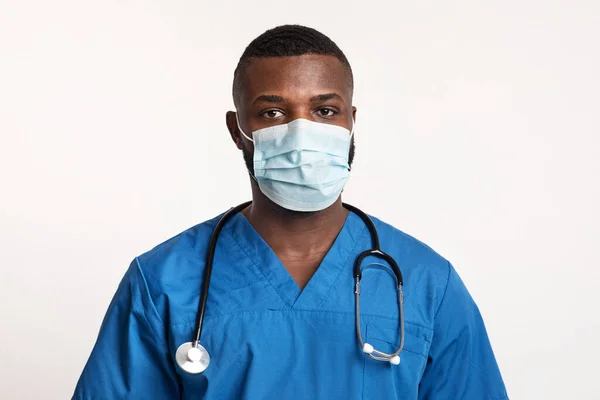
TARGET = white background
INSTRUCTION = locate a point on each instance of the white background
(477, 132)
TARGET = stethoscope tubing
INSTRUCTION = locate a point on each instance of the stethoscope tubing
(375, 251)
(212, 246)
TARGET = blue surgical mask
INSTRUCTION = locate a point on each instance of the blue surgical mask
(302, 165)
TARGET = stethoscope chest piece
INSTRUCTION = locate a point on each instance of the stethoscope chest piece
(192, 359)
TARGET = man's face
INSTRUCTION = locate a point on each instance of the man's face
(278, 90)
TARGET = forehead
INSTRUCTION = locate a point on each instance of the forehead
(295, 77)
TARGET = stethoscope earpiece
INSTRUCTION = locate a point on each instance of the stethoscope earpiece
(395, 360)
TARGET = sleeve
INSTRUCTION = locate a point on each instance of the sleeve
(130, 359)
(461, 363)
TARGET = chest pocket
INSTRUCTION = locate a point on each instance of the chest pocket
(383, 380)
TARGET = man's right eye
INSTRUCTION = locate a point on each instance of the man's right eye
(272, 113)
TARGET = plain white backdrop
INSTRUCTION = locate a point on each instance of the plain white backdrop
(477, 132)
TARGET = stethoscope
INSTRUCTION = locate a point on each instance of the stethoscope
(193, 358)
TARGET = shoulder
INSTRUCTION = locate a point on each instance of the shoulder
(189, 243)
(169, 270)
(411, 250)
(424, 270)
(177, 260)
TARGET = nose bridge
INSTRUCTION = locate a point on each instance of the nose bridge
(300, 110)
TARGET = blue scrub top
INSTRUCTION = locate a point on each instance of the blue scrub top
(268, 339)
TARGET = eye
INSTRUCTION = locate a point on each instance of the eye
(272, 114)
(326, 112)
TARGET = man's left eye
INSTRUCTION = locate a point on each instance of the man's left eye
(326, 112)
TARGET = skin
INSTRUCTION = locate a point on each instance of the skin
(275, 91)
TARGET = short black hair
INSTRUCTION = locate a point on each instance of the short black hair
(286, 41)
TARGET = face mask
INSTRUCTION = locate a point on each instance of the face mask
(302, 165)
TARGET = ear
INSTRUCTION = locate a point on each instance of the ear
(354, 113)
(232, 126)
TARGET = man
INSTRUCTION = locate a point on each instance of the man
(280, 319)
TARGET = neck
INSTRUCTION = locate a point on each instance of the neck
(295, 233)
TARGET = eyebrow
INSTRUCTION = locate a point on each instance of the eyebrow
(270, 98)
(273, 98)
(326, 96)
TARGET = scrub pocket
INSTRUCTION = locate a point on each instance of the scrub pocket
(383, 380)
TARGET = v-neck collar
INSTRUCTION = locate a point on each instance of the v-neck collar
(266, 261)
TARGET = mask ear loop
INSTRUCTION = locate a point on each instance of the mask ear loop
(237, 119)
(350, 142)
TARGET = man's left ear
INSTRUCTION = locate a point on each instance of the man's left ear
(354, 113)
